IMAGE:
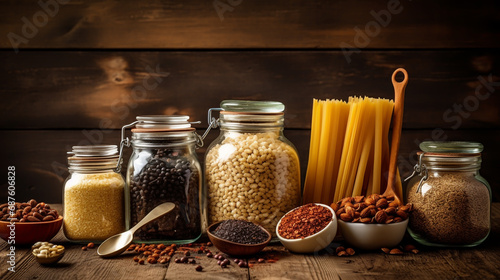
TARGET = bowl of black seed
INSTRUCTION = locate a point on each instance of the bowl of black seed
(238, 237)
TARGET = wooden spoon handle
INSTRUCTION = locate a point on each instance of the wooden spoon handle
(397, 124)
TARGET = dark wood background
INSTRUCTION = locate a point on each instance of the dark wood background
(77, 78)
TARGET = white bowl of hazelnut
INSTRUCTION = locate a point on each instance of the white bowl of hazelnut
(372, 222)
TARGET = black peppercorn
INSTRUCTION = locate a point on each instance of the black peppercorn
(166, 176)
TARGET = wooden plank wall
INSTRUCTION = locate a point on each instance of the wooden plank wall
(75, 72)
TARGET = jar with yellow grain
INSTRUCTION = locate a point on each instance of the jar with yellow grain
(93, 194)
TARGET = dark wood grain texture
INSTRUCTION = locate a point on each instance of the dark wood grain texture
(251, 24)
(98, 89)
(481, 262)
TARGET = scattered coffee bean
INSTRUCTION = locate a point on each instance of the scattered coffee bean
(90, 245)
(209, 255)
(84, 248)
(261, 260)
(199, 268)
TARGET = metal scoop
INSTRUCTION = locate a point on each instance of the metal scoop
(116, 244)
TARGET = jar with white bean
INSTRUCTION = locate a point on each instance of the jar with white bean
(252, 171)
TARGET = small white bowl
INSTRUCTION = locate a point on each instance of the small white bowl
(312, 243)
(373, 236)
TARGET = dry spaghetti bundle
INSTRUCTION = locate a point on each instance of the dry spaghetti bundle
(349, 149)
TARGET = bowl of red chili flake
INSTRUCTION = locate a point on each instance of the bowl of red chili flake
(308, 228)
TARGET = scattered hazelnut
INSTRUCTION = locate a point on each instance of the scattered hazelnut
(396, 251)
(342, 254)
(339, 249)
(409, 248)
(350, 251)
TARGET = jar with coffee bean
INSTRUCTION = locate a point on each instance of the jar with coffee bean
(451, 201)
(252, 171)
(164, 167)
(93, 194)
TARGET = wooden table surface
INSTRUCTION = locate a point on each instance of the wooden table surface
(480, 262)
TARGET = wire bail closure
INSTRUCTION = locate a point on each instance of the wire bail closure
(123, 142)
(421, 170)
(212, 122)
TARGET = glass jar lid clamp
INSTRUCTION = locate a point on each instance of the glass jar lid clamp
(420, 169)
(157, 123)
(464, 155)
(243, 106)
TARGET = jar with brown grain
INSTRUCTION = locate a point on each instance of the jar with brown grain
(450, 198)
(252, 171)
(164, 167)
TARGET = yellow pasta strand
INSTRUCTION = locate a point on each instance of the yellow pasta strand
(349, 149)
(323, 148)
(310, 181)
